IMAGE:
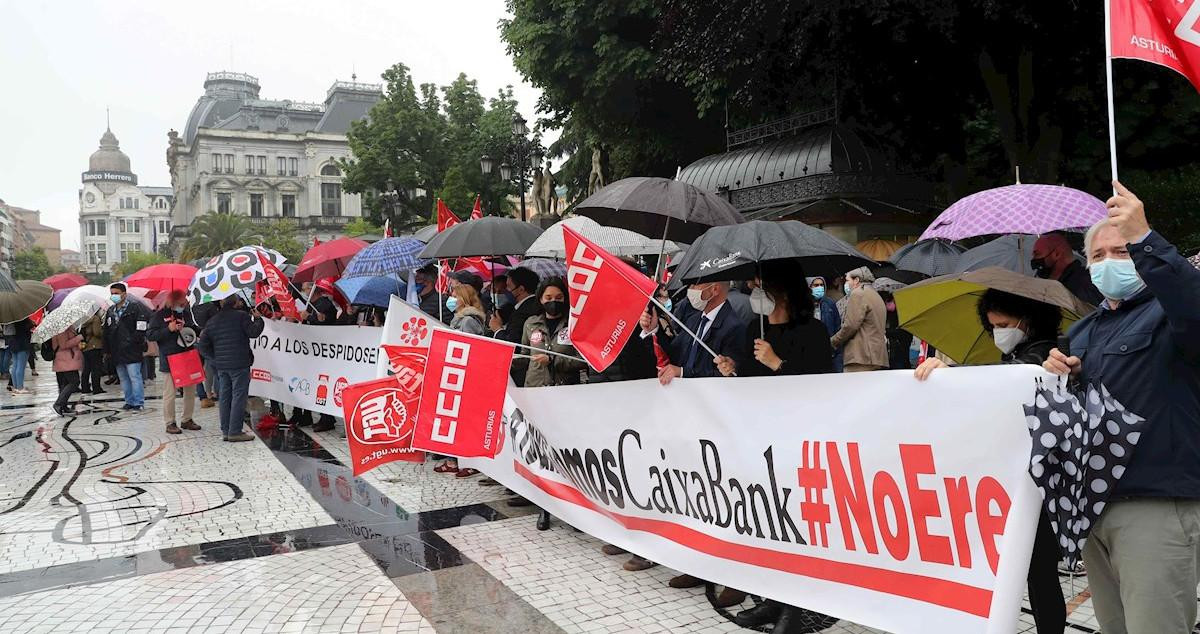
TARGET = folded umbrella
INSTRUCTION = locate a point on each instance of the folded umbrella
(64, 317)
(163, 277)
(620, 242)
(491, 235)
(659, 208)
(734, 252)
(1032, 209)
(26, 298)
(389, 256)
(65, 280)
(327, 259)
(929, 257)
(942, 310)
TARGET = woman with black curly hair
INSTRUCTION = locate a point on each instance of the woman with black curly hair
(1025, 330)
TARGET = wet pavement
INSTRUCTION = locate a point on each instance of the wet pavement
(107, 523)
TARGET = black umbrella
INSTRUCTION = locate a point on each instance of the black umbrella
(26, 299)
(425, 234)
(659, 208)
(733, 252)
(490, 235)
(887, 269)
(931, 257)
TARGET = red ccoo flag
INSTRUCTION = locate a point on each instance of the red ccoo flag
(1163, 32)
(274, 285)
(607, 298)
(477, 212)
(462, 395)
(445, 217)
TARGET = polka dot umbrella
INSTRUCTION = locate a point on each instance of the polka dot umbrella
(230, 273)
(1032, 209)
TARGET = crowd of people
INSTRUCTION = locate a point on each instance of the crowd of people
(1143, 558)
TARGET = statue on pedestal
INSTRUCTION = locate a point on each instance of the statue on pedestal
(596, 179)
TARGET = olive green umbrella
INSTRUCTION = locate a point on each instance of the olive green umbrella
(22, 299)
(942, 310)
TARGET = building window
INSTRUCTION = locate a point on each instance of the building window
(97, 254)
(331, 199)
(256, 205)
(164, 228)
(330, 170)
(249, 164)
(130, 225)
(292, 163)
(216, 166)
(289, 206)
(281, 166)
(228, 163)
(262, 166)
(97, 227)
(137, 203)
(224, 203)
(128, 248)
(122, 203)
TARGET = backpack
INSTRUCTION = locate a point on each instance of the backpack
(47, 350)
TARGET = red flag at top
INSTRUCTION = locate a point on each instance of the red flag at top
(607, 298)
(1163, 32)
(316, 241)
(274, 285)
(477, 212)
(387, 228)
(445, 217)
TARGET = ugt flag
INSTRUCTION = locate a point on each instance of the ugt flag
(380, 416)
(1163, 32)
(607, 298)
(462, 396)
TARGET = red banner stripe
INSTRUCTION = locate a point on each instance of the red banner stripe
(949, 594)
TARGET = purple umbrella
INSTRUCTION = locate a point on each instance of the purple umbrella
(1033, 209)
(57, 299)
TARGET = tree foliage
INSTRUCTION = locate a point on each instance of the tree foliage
(135, 262)
(31, 264)
(215, 233)
(280, 235)
(361, 227)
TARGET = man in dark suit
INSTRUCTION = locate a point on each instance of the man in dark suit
(522, 283)
(714, 321)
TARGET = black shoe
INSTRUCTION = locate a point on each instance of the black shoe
(796, 620)
(59, 409)
(98, 391)
(127, 407)
(543, 523)
(766, 612)
(519, 502)
(325, 424)
(111, 381)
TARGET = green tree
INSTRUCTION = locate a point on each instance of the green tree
(280, 235)
(361, 227)
(215, 233)
(31, 264)
(135, 262)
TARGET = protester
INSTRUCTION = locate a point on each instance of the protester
(430, 300)
(201, 314)
(322, 311)
(1143, 346)
(92, 347)
(1025, 330)
(862, 336)
(125, 340)
(226, 340)
(175, 333)
(899, 341)
(474, 281)
(270, 311)
(792, 341)
(826, 310)
(468, 312)
(68, 361)
(1053, 259)
(500, 290)
(19, 346)
(522, 283)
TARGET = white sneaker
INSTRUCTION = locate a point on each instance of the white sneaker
(1078, 570)
(20, 390)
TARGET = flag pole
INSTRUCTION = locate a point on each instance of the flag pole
(1112, 122)
(654, 300)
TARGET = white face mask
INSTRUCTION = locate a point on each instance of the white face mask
(1007, 339)
(761, 302)
(696, 298)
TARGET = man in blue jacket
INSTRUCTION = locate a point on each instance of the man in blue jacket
(1144, 346)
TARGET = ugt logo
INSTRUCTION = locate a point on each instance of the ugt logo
(380, 417)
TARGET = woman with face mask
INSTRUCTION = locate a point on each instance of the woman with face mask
(467, 310)
(1025, 331)
(825, 309)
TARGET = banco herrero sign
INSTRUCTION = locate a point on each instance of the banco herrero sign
(122, 177)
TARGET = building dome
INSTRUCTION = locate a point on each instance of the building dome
(109, 157)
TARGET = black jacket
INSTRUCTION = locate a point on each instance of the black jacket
(803, 346)
(726, 336)
(513, 331)
(1078, 281)
(432, 303)
(1031, 352)
(226, 339)
(168, 341)
(125, 336)
(636, 361)
(22, 335)
(322, 306)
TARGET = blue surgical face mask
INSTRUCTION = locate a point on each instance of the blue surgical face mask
(846, 288)
(667, 304)
(116, 299)
(1116, 279)
(452, 303)
(818, 292)
(178, 309)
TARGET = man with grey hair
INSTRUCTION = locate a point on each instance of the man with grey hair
(1143, 345)
(864, 328)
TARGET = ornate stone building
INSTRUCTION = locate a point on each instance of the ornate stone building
(266, 159)
(116, 215)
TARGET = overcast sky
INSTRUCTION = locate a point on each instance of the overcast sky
(61, 64)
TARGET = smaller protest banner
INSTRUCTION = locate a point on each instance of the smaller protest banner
(462, 395)
(309, 366)
(407, 328)
(607, 299)
(380, 415)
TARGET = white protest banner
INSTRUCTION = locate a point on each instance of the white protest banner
(909, 511)
(408, 328)
(309, 366)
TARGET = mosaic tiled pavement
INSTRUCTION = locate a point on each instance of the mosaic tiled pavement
(108, 524)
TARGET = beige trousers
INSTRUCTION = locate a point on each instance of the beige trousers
(189, 401)
(1142, 558)
(860, 367)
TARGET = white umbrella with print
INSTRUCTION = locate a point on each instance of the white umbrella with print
(230, 273)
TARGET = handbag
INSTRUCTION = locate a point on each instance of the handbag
(186, 368)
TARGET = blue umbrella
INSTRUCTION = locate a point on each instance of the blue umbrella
(390, 256)
(371, 291)
(544, 267)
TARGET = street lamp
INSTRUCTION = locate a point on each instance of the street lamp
(487, 164)
(518, 126)
(519, 155)
(506, 172)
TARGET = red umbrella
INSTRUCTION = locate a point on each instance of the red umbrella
(65, 280)
(327, 259)
(163, 277)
